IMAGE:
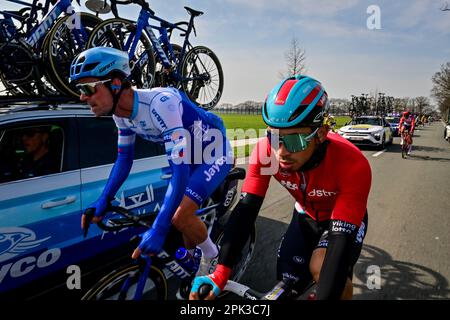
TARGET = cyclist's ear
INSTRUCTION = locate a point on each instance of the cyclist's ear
(116, 84)
(322, 133)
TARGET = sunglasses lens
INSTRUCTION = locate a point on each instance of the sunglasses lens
(295, 142)
(292, 142)
(86, 89)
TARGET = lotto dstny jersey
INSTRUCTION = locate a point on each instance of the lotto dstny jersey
(336, 189)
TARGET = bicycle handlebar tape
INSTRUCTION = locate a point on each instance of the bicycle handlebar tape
(204, 291)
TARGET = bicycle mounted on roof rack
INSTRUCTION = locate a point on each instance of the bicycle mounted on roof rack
(156, 60)
(35, 58)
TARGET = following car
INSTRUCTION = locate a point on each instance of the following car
(369, 131)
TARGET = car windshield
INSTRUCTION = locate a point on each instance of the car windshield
(393, 119)
(371, 121)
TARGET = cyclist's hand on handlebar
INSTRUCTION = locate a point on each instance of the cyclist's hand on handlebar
(217, 280)
(201, 281)
(94, 213)
(151, 243)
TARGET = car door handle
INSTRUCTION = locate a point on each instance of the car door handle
(166, 176)
(57, 203)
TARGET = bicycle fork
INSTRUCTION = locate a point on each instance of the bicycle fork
(145, 263)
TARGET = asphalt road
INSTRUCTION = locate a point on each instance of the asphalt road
(408, 239)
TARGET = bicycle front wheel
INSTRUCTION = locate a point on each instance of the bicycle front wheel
(202, 77)
(121, 284)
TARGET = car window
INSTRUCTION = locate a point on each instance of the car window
(393, 119)
(31, 150)
(371, 121)
(98, 143)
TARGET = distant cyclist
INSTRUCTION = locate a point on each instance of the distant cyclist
(330, 180)
(165, 116)
(407, 125)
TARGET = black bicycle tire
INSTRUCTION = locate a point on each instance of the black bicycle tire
(159, 78)
(47, 74)
(185, 84)
(144, 40)
(155, 274)
(54, 68)
(33, 85)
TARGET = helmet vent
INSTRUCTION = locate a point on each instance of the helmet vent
(90, 66)
(297, 112)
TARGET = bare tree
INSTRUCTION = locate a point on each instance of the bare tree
(441, 88)
(295, 60)
(422, 103)
(400, 104)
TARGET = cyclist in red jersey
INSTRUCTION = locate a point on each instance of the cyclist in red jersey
(329, 178)
(407, 123)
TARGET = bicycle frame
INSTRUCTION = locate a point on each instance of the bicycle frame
(163, 260)
(34, 8)
(40, 30)
(143, 24)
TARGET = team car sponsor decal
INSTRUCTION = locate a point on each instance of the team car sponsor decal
(15, 241)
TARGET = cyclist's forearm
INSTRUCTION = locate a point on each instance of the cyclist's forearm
(239, 228)
(120, 171)
(335, 268)
(173, 197)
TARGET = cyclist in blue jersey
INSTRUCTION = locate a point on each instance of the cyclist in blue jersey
(197, 150)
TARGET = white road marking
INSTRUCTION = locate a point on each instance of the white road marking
(378, 153)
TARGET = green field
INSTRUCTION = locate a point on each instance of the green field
(244, 123)
(249, 121)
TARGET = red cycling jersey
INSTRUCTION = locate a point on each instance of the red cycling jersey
(336, 189)
(407, 122)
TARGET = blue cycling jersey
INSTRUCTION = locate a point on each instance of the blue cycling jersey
(198, 152)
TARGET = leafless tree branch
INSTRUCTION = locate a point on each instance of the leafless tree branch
(295, 59)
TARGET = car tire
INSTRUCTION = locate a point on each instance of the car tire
(383, 143)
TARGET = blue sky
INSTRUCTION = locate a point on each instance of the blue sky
(250, 38)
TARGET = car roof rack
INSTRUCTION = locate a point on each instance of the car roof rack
(30, 103)
(12, 100)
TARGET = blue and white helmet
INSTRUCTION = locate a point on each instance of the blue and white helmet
(296, 101)
(99, 62)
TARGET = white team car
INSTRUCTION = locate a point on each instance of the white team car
(447, 132)
(368, 130)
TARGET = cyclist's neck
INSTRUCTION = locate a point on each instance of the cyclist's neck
(316, 157)
(124, 107)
